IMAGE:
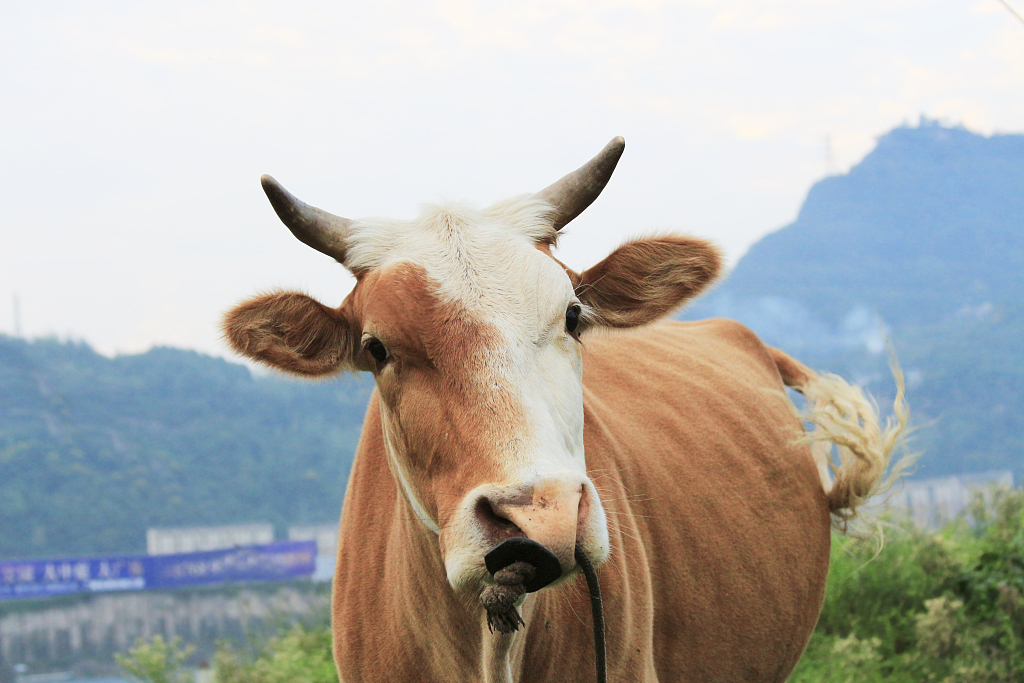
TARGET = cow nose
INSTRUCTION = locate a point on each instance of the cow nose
(546, 514)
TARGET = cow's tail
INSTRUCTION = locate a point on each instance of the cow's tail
(869, 455)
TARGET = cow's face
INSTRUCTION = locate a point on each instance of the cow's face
(473, 333)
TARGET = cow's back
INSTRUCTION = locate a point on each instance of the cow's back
(723, 520)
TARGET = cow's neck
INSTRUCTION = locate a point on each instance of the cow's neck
(500, 656)
(497, 655)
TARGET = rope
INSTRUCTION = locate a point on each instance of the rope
(500, 599)
(597, 612)
(509, 585)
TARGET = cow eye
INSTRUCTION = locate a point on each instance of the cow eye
(572, 319)
(377, 350)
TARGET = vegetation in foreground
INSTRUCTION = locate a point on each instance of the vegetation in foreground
(945, 607)
(301, 653)
(156, 661)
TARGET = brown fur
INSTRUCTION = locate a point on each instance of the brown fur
(291, 332)
(644, 280)
(719, 527)
(447, 404)
(719, 524)
(432, 379)
(794, 373)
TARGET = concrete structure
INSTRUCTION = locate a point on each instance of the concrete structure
(193, 539)
(934, 502)
(90, 628)
(326, 537)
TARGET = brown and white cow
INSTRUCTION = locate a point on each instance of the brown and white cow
(518, 398)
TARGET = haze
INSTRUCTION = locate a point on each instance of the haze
(134, 134)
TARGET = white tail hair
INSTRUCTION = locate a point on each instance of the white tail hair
(869, 456)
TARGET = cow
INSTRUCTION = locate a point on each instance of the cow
(518, 399)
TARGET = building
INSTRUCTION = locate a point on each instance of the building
(326, 537)
(173, 540)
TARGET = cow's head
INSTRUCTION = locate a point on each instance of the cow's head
(474, 335)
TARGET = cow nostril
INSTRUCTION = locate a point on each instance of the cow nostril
(497, 526)
(583, 511)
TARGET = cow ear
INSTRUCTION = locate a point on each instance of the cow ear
(291, 332)
(644, 280)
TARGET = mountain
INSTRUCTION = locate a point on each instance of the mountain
(95, 450)
(922, 243)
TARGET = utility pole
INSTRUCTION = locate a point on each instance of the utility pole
(17, 316)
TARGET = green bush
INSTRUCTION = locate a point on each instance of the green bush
(157, 661)
(301, 655)
(946, 607)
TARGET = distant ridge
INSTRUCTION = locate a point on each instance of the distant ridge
(95, 450)
(929, 223)
(923, 242)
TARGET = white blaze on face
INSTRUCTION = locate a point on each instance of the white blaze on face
(486, 263)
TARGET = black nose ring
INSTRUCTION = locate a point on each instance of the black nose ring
(519, 549)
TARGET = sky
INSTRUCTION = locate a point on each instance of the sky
(133, 134)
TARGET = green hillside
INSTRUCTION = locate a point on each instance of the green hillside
(94, 450)
(924, 239)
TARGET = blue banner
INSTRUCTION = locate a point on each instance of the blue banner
(280, 561)
(271, 562)
(41, 578)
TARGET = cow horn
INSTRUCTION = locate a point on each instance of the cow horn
(576, 191)
(323, 231)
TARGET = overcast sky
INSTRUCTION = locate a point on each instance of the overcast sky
(133, 134)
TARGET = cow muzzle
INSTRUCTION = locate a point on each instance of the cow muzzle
(554, 513)
(548, 515)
